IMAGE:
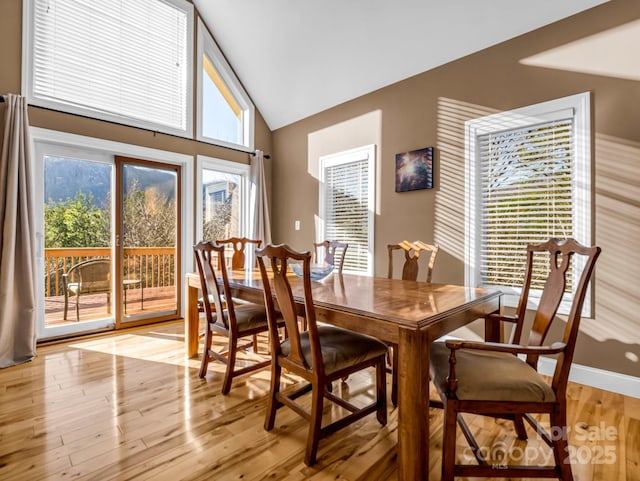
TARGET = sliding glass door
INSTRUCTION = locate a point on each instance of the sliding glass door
(147, 244)
(108, 240)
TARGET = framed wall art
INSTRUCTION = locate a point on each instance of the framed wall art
(414, 170)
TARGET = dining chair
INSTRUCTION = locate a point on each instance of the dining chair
(320, 354)
(334, 253)
(488, 378)
(239, 246)
(410, 269)
(412, 251)
(92, 276)
(225, 318)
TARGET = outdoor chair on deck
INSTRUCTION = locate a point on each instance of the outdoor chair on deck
(410, 270)
(488, 378)
(320, 354)
(85, 278)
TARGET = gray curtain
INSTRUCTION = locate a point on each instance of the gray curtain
(17, 238)
(259, 223)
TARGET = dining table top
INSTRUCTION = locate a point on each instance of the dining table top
(411, 304)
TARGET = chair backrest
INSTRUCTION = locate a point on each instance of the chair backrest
(412, 252)
(208, 255)
(559, 254)
(239, 245)
(94, 276)
(334, 252)
(276, 281)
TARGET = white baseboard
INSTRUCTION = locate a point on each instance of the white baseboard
(594, 377)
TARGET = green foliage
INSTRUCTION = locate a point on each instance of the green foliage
(76, 222)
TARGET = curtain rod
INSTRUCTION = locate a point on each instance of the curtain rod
(266, 156)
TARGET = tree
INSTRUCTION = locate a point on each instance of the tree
(219, 225)
(149, 218)
(76, 222)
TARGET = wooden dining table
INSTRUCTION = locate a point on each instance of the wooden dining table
(408, 314)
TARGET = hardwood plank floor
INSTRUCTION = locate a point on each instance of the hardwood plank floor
(129, 406)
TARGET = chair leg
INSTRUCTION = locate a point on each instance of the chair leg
(449, 442)
(273, 404)
(315, 423)
(66, 307)
(381, 392)
(78, 308)
(518, 424)
(205, 353)
(231, 365)
(394, 377)
(560, 446)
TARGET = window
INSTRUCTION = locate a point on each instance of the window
(122, 61)
(347, 205)
(528, 179)
(225, 112)
(223, 200)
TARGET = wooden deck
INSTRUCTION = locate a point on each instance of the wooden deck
(95, 306)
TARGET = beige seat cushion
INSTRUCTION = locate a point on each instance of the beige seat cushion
(489, 376)
(340, 347)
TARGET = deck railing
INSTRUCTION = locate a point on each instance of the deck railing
(153, 266)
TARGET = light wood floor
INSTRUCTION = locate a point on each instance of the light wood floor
(129, 406)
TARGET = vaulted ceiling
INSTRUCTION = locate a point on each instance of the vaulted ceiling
(296, 58)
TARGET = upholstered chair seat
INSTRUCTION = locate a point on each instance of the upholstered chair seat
(249, 317)
(340, 348)
(490, 376)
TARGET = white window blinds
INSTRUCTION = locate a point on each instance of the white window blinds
(526, 197)
(120, 60)
(346, 207)
(527, 179)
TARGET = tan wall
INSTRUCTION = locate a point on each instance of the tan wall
(430, 110)
(10, 82)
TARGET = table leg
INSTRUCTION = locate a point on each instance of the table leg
(493, 330)
(413, 406)
(191, 318)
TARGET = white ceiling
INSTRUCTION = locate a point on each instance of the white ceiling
(296, 58)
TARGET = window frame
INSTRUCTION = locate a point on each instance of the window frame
(206, 45)
(204, 162)
(28, 78)
(579, 108)
(367, 153)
